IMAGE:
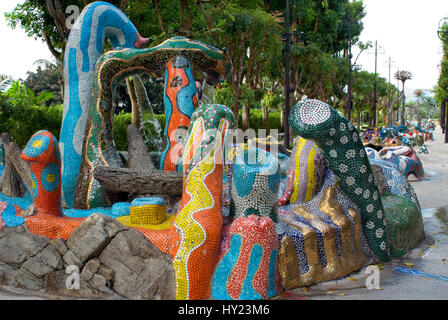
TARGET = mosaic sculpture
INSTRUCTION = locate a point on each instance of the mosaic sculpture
(255, 184)
(395, 181)
(307, 168)
(404, 224)
(406, 158)
(97, 22)
(42, 152)
(339, 140)
(111, 68)
(321, 239)
(180, 99)
(195, 234)
(248, 269)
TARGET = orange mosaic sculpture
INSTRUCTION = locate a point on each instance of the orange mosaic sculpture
(195, 236)
(180, 99)
(42, 152)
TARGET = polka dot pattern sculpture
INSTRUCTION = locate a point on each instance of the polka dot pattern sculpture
(42, 152)
(339, 140)
(255, 184)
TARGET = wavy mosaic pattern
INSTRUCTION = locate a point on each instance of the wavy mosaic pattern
(98, 21)
(195, 234)
(180, 99)
(307, 168)
(248, 269)
(321, 239)
(345, 154)
(113, 67)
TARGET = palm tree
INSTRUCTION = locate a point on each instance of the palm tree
(5, 82)
(403, 76)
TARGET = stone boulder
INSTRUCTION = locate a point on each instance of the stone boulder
(109, 260)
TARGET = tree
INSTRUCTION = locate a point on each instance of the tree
(46, 78)
(403, 76)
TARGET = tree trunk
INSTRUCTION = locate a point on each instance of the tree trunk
(446, 121)
(16, 170)
(282, 119)
(358, 116)
(134, 103)
(138, 155)
(264, 116)
(442, 116)
(139, 181)
(246, 117)
(402, 109)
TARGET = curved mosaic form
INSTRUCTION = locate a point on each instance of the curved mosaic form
(180, 99)
(307, 168)
(111, 68)
(395, 181)
(406, 158)
(248, 270)
(8, 215)
(339, 140)
(195, 234)
(42, 152)
(321, 239)
(98, 21)
(404, 224)
(255, 183)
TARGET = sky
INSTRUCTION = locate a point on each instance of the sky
(406, 30)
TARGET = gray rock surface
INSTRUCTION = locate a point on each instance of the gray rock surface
(141, 270)
(109, 261)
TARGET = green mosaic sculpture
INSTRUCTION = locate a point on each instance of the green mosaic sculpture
(340, 142)
(404, 224)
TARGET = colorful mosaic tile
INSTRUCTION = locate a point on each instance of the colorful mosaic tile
(345, 154)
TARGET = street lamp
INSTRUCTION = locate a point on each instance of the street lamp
(442, 32)
(403, 76)
(375, 98)
(389, 64)
(287, 39)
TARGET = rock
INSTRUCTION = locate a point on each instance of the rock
(90, 269)
(141, 270)
(92, 236)
(71, 259)
(44, 262)
(22, 278)
(59, 245)
(16, 247)
(91, 289)
(5, 272)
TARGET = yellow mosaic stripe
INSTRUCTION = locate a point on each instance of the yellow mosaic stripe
(193, 234)
(311, 180)
(300, 145)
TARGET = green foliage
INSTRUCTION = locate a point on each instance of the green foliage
(272, 100)
(22, 121)
(121, 122)
(47, 78)
(20, 95)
